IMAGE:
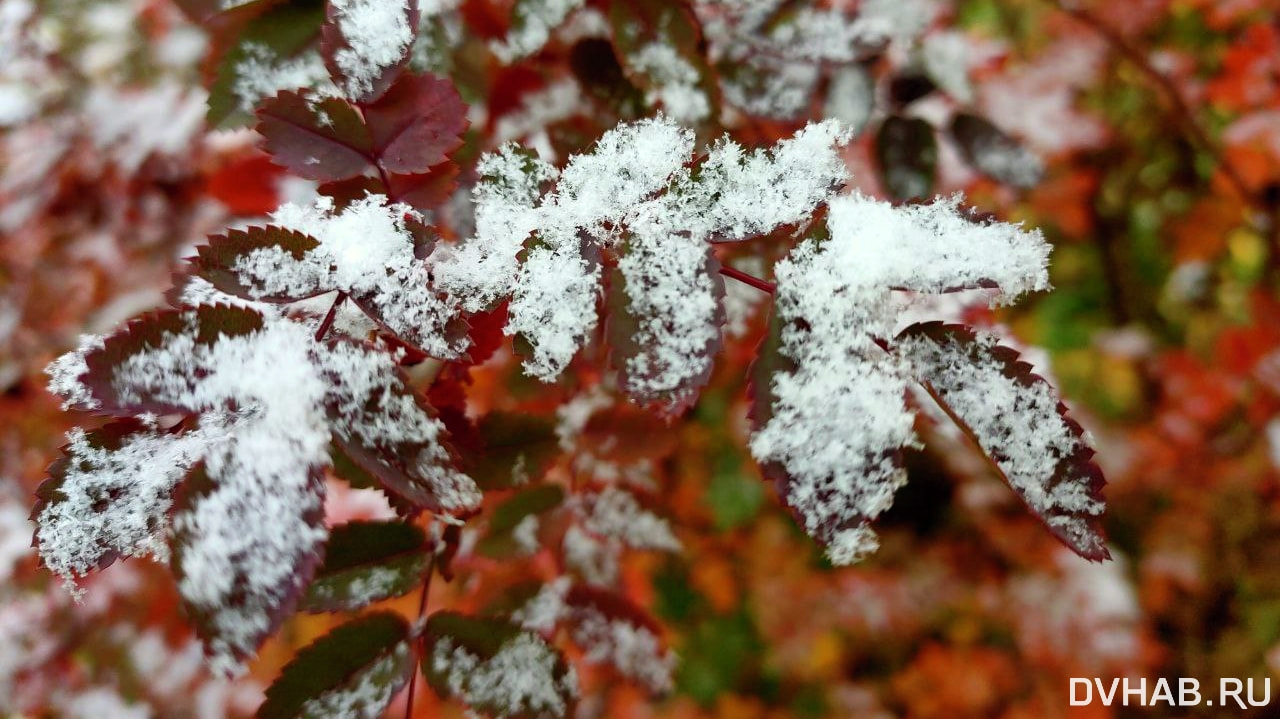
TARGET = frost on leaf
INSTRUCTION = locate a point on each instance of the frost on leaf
(109, 494)
(1016, 419)
(616, 514)
(352, 672)
(366, 42)
(513, 527)
(366, 562)
(830, 411)
(496, 668)
(390, 431)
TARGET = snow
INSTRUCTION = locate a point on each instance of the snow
(377, 34)
(851, 97)
(542, 612)
(946, 57)
(674, 82)
(675, 303)
(15, 533)
(635, 184)
(838, 417)
(531, 27)
(616, 514)
(1017, 424)
(261, 74)
(263, 465)
(117, 500)
(365, 695)
(634, 650)
(366, 251)
(519, 679)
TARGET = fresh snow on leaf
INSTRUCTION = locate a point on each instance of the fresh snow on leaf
(376, 35)
(261, 73)
(367, 251)
(1017, 420)
(615, 513)
(484, 269)
(636, 177)
(523, 677)
(631, 648)
(831, 417)
(531, 26)
(674, 82)
(111, 492)
(672, 313)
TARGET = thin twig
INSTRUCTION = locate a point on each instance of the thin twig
(327, 322)
(743, 277)
(422, 610)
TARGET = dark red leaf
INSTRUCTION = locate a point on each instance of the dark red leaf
(416, 124)
(371, 81)
(1015, 418)
(216, 261)
(321, 139)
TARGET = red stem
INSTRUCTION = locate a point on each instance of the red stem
(422, 610)
(327, 322)
(756, 282)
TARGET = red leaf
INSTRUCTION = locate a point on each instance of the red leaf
(216, 261)
(416, 124)
(1014, 416)
(149, 333)
(317, 139)
(247, 186)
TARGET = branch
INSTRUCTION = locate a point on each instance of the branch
(327, 322)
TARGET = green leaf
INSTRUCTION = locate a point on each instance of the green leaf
(907, 153)
(366, 562)
(496, 668)
(355, 670)
(216, 262)
(284, 32)
(517, 448)
(500, 538)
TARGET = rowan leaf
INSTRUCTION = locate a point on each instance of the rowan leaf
(391, 432)
(503, 533)
(366, 562)
(907, 155)
(114, 377)
(366, 44)
(994, 153)
(516, 449)
(1015, 418)
(495, 667)
(227, 262)
(108, 495)
(614, 631)
(248, 535)
(416, 124)
(665, 313)
(282, 33)
(353, 671)
(659, 44)
(322, 139)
